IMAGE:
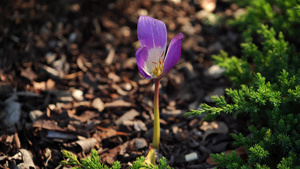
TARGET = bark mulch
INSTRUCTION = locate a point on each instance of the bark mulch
(69, 80)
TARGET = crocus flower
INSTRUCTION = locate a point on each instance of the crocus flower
(152, 59)
(154, 63)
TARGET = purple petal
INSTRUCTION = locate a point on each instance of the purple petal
(174, 52)
(152, 33)
(141, 56)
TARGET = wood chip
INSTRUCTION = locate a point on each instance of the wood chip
(118, 104)
(208, 5)
(73, 75)
(78, 95)
(35, 114)
(119, 90)
(60, 135)
(27, 160)
(86, 115)
(115, 78)
(214, 127)
(29, 74)
(110, 56)
(12, 113)
(130, 115)
(47, 124)
(50, 71)
(98, 104)
(81, 64)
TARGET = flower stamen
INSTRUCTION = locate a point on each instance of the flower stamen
(159, 65)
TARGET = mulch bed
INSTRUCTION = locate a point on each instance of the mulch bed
(69, 80)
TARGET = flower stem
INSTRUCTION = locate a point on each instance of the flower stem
(156, 130)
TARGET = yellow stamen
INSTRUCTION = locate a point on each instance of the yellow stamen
(159, 67)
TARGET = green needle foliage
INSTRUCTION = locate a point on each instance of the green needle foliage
(93, 162)
(140, 164)
(266, 87)
(282, 15)
(269, 58)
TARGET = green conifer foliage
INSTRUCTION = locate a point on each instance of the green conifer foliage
(282, 15)
(90, 162)
(93, 162)
(266, 87)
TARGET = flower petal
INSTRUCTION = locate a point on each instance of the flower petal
(141, 56)
(152, 33)
(174, 52)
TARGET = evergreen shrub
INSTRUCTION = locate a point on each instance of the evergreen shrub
(282, 15)
(266, 88)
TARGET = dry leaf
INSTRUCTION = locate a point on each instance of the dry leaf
(111, 156)
(87, 144)
(109, 132)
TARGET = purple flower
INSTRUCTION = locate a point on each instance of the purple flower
(151, 57)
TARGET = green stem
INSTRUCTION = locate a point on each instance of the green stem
(156, 130)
